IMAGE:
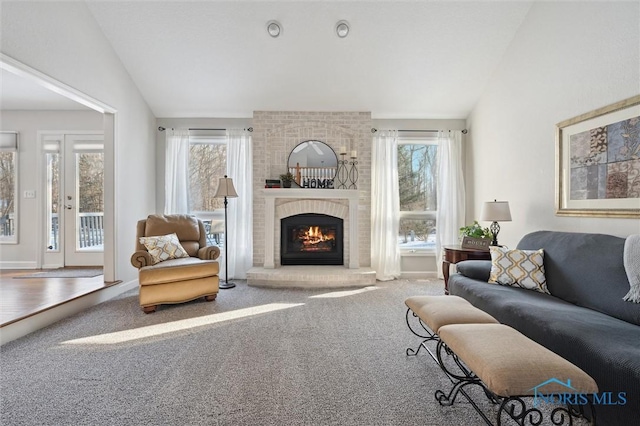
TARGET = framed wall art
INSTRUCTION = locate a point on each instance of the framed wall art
(598, 162)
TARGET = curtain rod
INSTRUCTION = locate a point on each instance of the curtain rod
(162, 129)
(464, 131)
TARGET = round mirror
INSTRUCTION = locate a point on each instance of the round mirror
(313, 164)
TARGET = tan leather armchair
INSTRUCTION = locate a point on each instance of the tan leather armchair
(176, 280)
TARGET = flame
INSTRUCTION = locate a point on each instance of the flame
(314, 236)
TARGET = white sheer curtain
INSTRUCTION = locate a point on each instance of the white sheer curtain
(385, 206)
(176, 177)
(240, 210)
(451, 195)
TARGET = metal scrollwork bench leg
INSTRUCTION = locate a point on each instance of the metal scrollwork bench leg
(460, 381)
(425, 333)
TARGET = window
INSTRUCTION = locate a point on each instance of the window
(207, 163)
(52, 193)
(418, 182)
(8, 187)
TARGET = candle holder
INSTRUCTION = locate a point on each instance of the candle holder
(353, 173)
(343, 173)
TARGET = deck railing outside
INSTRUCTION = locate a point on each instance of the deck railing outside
(6, 225)
(90, 233)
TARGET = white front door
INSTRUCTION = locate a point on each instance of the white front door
(74, 201)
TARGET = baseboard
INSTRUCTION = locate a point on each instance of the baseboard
(18, 265)
(47, 317)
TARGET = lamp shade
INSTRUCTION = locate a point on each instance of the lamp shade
(496, 211)
(225, 188)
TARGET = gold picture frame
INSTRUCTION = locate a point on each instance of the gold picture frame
(598, 162)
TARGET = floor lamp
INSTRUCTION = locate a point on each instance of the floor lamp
(226, 190)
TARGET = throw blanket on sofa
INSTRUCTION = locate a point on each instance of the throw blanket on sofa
(632, 266)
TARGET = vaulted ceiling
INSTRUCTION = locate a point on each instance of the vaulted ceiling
(410, 59)
(401, 59)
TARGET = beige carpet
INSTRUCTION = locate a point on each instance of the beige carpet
(253, 357)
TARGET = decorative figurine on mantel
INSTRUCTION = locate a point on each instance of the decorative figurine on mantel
(343, 173)
(353, 171)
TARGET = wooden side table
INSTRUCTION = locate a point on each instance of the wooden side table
(455, 254)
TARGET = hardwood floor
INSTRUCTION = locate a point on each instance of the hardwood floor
(23, 297)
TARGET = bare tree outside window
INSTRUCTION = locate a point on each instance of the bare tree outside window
(53, 199)
(418, 182)
(7, 193)
(90, 182)
(207, 163)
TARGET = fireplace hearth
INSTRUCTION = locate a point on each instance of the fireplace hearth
(311, 239)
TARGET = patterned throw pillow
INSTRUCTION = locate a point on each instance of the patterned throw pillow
(164, 247)
(518, 268)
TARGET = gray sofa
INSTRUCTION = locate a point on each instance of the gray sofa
(584, 319)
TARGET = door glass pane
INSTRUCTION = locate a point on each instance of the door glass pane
(90, 201)
(7, 196)
(53, 200)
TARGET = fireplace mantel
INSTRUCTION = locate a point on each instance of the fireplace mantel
(351, 194)
(270, 196)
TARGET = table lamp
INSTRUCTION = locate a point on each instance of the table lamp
(495, 211)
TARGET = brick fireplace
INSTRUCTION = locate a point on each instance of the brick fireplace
(275, 135)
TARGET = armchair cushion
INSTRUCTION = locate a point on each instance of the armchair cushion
(186, 227)
(188, 268)
(164, 247)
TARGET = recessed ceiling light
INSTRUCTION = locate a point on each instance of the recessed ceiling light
(274, 29)
(342, 29)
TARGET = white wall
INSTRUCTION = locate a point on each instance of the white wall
(27, 124)
(62, 40)
(567, 58)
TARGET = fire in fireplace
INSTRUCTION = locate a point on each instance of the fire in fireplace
(314, 239)
(311, 239)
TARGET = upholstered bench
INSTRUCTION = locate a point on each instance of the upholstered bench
(434, 312)
(510, 366)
